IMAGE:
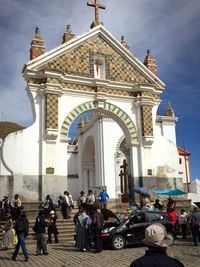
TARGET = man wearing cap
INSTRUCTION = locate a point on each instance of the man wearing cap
(157, 240)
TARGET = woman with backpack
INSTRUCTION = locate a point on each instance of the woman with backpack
(21, 227)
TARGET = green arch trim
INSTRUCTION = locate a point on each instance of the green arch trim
(91, 105)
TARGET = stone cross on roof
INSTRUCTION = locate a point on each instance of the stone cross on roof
(96, 5)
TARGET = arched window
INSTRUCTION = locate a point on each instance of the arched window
(99, 68)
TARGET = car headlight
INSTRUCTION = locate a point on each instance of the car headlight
(107, 230)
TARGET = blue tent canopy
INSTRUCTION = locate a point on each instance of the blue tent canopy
(175, 192)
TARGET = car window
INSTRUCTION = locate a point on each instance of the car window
(138, 218)
(154, 217)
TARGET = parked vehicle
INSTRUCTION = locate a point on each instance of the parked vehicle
(111, 219)
(131, 231)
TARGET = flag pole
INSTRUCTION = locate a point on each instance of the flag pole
(186, 169)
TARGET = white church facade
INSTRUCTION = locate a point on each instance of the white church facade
(125, 144)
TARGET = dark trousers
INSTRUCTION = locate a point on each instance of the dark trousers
(41, 244)
(172, 229)
(97, 240)
(183, 230)
(20, 243)
(195, 234)
(52, 230)
(65, 211)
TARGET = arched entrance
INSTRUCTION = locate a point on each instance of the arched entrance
(88, 164)
(97, 164)
(111, 110)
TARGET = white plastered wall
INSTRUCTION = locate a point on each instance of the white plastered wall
(21, 149)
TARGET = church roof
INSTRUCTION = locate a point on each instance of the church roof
(183, 152)
(8, 127)
(37, 63)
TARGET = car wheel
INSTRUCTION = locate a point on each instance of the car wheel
(118, 242)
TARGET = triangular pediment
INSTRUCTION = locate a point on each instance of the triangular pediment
(77, 56)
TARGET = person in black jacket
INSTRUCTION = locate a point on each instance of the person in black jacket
(97, 226)
(52, 227)
(40, 226)
(21, 227)
(157, 240)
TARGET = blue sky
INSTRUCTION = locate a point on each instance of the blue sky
(169, 28)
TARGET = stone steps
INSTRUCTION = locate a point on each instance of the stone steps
(65, 227)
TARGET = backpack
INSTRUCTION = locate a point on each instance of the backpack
(19, 225)
(35, 226)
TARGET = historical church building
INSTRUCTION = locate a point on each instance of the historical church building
(124, 144)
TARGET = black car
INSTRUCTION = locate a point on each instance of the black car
(131, 231)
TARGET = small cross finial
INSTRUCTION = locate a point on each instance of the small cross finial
(96, 5)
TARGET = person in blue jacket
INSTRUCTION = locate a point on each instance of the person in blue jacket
(104, 198)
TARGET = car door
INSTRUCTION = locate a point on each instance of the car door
(135, 228)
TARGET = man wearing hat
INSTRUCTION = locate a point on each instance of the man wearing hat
(157, 240)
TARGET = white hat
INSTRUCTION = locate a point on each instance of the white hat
(52, 212)
(156, 236)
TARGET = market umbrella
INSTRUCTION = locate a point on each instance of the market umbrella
(142, 191)
(175, 192)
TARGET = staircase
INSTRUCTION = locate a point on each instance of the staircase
(65, 226)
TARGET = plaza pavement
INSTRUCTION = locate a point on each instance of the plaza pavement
(65, 255)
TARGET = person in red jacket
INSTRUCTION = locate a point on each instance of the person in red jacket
(172, 214)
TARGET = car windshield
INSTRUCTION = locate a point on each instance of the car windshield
(154, 217)
(136, 218)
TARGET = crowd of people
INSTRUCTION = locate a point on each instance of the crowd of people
(88, 226)
(88, 223)
(10, 208)
(182, 221)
